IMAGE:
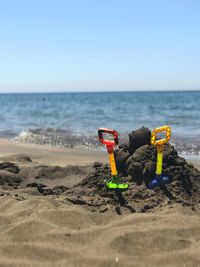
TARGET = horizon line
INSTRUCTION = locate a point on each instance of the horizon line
(103, 91)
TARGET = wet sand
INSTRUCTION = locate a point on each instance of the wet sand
(49, 155)
(48, 230)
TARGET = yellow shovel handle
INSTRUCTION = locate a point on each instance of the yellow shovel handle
(159, 160)
(112, 164)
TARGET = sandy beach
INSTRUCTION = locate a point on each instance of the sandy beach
(40, 229)
(100, 133)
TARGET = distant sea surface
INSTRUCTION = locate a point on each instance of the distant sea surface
(72, 119)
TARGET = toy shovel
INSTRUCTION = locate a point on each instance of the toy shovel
(160, 179)
(110, 144)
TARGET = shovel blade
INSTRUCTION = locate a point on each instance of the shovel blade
(159, 180)
(112, 185)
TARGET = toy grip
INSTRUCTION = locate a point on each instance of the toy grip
(163, 141)
(102, 131)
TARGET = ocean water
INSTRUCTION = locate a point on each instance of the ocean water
(72, 119)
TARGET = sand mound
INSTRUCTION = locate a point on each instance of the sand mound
(184, 189)
(137, 167)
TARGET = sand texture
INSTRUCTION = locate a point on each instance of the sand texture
(52, 214)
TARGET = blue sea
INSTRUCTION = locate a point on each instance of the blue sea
(72, 119)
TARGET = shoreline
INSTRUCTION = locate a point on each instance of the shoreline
(186, 145)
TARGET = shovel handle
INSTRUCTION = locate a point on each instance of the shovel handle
(106, 142)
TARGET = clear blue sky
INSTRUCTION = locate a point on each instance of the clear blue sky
(99, 45)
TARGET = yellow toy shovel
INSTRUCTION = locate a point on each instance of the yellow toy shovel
(160, 179)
